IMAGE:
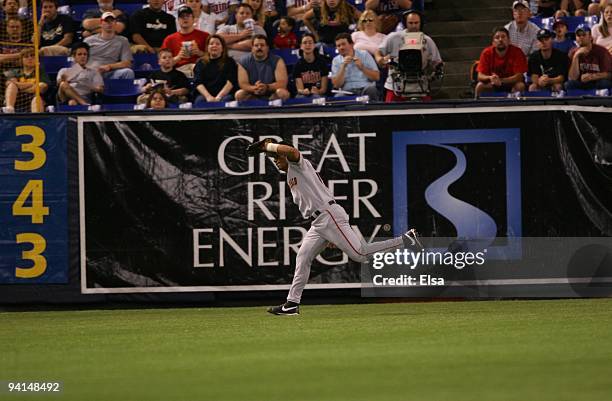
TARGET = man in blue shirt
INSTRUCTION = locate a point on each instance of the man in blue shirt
(354, 71)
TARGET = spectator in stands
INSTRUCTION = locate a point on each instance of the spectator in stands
(367, 36)
(215, 74)
(109, 52)
(285, 38)
(311, 71)
(296, 9)
(77, 84)
(390, 48)
(547, 66)
(92, 21)
(157, 100)
(173, 82)
(203, 21)
(354, 71)
(330, 19)
(11, 53)
(523, 32)
(561, 14)
(597, 7)
(262, 75)
(220, 9)
(56, 30)
(574, 7)
(602, 32)
(501, 66)
(591, 64)
(11, 10)
(562, 41)
(239, 37)
(389, 11)
(547, 8)
(259, 12)
(188, 44)
(21, 84)
(150, 26)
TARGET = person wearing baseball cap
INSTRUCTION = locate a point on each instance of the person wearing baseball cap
(522, 31)
(547, 66)
(109, 52)
(188, 44)
(561, 41)
(150, 26)
(591, 64)
(92, 18)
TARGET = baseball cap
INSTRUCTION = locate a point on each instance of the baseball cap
(559, 22)
(517, 3)
(107, 14)
(583, 28)
(544, 33)
(184, 10)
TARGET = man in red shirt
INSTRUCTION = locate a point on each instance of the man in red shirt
(591, 64)
(501, 66)
(188, 44)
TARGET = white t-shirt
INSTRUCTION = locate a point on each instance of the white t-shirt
(307, 188)
(598, 38)
(368, 43)
(219, 8)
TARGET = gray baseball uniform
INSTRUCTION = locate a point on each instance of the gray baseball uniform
(330, 224)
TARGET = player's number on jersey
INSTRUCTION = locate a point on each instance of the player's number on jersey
(39, 244)
(39, 156)
(37, 211)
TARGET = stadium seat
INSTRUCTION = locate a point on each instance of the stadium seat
(329, 51)
(144, 64)
(78, 10)
(537, 94)
(67, 108)
(587, 92)
(289, 56)
(253, 103)
(53, 64)
(201, 104)
(121, 90)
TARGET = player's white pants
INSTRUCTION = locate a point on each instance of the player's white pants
(332, 226)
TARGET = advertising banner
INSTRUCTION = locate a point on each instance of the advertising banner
(34, 201)
(176, 205)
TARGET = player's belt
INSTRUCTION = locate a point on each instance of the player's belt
(318, 212)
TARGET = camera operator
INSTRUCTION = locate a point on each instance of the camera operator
(390, 48)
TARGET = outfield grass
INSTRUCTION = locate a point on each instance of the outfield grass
(511, 350)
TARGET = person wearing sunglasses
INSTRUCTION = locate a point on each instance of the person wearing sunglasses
(368, 36)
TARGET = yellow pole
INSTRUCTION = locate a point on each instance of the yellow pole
(39, 104)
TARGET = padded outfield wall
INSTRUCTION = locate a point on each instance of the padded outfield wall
(167, 207)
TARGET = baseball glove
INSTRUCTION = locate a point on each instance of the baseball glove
(257, 147)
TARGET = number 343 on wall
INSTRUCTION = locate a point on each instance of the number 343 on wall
(30, 202)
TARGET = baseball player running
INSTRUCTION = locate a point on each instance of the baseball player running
(330, 223)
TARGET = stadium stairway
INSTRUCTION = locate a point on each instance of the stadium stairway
(461, 29)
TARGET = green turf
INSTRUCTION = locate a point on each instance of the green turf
(511, 350)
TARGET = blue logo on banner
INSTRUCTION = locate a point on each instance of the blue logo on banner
(469, 221)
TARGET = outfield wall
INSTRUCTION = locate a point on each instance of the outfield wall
(167, 207)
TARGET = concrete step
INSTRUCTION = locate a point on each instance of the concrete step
(463, 27)
(453, 80)
(445, 4)
(454, 92)
(457, 67)
(470, 14)
(462, 54)
(454, 41)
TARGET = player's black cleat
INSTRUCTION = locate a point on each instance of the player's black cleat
(411, 240)
(288, 308)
